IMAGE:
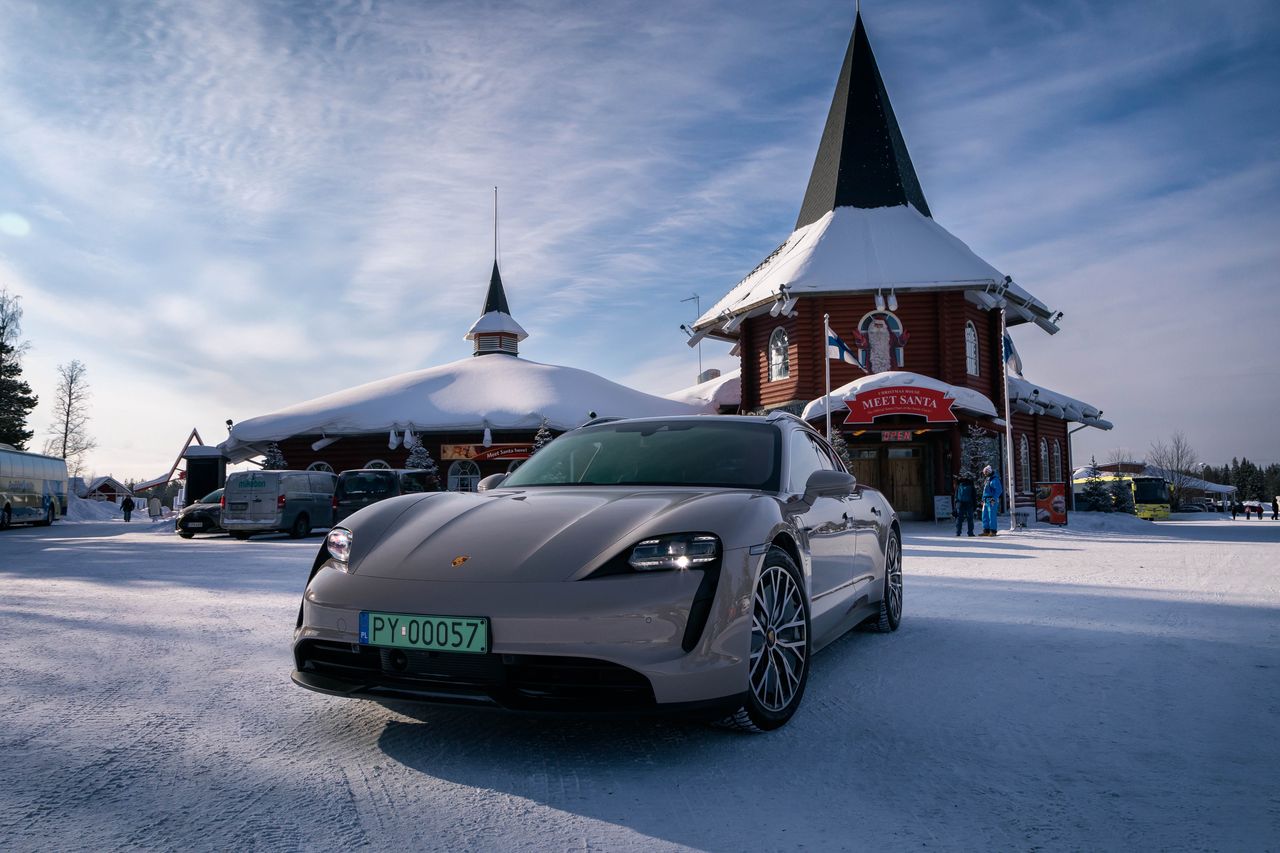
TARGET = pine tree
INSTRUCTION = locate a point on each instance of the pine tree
(841, 448)
(16, 399)
(274, 460)
(1094, 497)
(1121, 494)
(975, 451)
(542, 438)
(420, 459)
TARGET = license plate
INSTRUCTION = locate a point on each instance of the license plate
(432, 633)
(239, 506)
(195, 524)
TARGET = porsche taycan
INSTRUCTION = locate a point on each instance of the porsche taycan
(688, 564)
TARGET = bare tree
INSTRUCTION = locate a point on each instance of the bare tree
(1177, 462)
(69, 433)
(1120, 457)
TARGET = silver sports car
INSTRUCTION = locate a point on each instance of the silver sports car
(692, 564)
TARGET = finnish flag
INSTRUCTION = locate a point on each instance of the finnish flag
(839, 350)
(1012, 361)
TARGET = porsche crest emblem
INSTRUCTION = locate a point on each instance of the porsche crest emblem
(458, 561)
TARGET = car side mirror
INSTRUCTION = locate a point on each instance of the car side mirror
(490, 482)
(823, 483)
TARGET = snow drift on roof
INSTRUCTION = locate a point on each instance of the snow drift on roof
(1033, 399)
(498, 391)
(966, 398)
(853, 249)
(494, 322)
(710, 396)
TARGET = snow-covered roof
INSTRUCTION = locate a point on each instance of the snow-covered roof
(1032, 399)
(711, 395)
(965, 398)
(499, 392)
(495, 322)
(857, 250)
(1190, 482)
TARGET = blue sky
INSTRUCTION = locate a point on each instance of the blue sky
(226, 207)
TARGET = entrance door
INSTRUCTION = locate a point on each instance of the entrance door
(866, 466)
(904, 481)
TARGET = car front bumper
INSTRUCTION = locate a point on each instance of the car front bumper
(612, 643)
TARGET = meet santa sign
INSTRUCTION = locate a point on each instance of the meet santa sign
(934, 406)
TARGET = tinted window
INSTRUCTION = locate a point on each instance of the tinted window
(212, 498)
(733, 454)
(806, 457)
(415, 481)
(366, 484)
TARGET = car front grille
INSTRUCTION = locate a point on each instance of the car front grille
(521, 682)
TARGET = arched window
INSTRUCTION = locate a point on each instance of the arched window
(779, 355)
(971, 349)
(464, 475)
(377, 463)
(1057, 461)
(515, 463)
(1024, 462)
(321, 466)
(1044, 459)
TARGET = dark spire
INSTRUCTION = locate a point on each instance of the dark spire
(497, 298)
(862, 160)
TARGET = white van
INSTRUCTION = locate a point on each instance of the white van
(292, 502)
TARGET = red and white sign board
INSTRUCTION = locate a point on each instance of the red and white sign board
(934, 406)
(480, 453)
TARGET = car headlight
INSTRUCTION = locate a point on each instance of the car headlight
(681, 551)
(338, 544)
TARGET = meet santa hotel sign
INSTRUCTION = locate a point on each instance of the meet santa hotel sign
(902, 294)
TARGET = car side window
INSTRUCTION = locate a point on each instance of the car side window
(805, 457)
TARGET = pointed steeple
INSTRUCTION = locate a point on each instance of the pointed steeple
(862, 160)
(497, 298)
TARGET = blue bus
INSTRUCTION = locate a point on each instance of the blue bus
(33, 488)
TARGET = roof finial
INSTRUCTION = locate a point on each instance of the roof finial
(495, 225)
(857, 7)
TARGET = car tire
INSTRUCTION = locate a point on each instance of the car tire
(301, 526)
(240, 534)
(6, 518)
(48, 517)
(781, 642)
(185, 535)
(890, 616)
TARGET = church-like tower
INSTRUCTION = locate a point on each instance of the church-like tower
(496, 331)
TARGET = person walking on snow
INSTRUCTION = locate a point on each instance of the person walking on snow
(965, 497)
(991, 493)
(1275, 508)
(127, 506)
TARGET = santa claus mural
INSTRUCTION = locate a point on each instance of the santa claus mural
(880, 340)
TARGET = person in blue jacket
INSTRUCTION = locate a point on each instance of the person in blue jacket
(991, 493)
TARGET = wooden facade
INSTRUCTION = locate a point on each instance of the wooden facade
(911, 472)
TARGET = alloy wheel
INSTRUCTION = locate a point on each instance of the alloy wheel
(778, 639)
(893, 574)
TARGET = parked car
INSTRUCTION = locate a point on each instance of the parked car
(203, 516)
(359, 487)
(690, 564)
(292, 502)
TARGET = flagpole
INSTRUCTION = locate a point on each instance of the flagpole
(826, 352)
(1008, 425)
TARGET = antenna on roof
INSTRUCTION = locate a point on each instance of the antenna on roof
(495, 225)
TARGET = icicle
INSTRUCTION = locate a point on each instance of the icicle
(393, 440)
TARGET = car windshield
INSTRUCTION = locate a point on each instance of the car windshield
(212, 498)
(361, 484)
(731, 454)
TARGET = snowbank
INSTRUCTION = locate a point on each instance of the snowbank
(79, 509)
(1102, 522)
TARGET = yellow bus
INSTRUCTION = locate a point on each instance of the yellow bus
(1150, 494)
(33, 488)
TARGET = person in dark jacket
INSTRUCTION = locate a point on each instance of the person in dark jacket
(127, 506)
(1275, 508)
(1235, 508)
(965, 498)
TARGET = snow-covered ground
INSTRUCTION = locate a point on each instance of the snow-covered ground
(1051, 689)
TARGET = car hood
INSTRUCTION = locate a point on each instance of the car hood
(534, 535)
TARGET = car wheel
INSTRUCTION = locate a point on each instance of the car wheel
(778, 666)
(891, 602)
(185, 535)
(48, 517)
(6, 518)
(240, 534)
(301, 526)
